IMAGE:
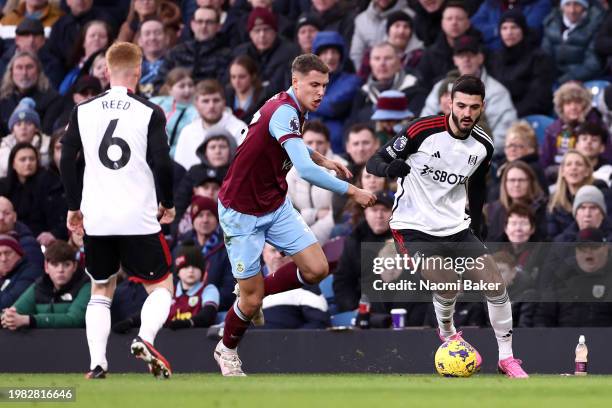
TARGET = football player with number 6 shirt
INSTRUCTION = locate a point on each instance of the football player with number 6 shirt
(122, 140)
(441, 162)
(254, 207)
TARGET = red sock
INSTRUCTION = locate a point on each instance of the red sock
(284, 279)
(234, 329)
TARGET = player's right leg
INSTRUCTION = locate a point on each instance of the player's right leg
(147, 259)
(102, 263)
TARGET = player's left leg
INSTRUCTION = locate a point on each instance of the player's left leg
(498, 304)
(146, 258)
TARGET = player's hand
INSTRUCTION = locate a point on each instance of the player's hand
(361, 196)
(165, 215)
(398, 168)
(340, 169)
(74, 222)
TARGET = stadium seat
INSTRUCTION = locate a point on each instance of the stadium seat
(333, 250)
(343, 319)
(327, 288)
(596, 87)
(539, 123)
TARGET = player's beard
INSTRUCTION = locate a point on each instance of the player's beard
(464, 130)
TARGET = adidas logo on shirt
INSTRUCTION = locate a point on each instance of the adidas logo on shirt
(436, 155)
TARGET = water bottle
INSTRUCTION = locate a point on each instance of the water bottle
(363, 313)
(581, 357)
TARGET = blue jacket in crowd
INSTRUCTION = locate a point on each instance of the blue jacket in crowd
(336, 105)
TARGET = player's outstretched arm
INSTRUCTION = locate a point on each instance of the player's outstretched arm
(309, 171)
(340, 169)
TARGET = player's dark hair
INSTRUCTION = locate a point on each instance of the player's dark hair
(522, 211)
(209, 86)
(468, 84)
(358, 127)
(60, 251)
(594, 129)
(308, 62)
(316, 126)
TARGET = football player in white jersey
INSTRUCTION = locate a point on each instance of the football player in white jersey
(122, 140)
(441, 163)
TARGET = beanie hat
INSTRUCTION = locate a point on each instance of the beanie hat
(9, 241)
(25, 111)
(583, 3)
(589, 194)
(398, 16)
(516, 16)
(308, 19)
(200, 203)
(189, 255)
(392, 105)
(261, 15)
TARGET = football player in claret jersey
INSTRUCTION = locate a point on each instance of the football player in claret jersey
(254, 207)
(118, 134)
(441, 161)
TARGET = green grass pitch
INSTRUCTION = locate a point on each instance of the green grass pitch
(317, 391)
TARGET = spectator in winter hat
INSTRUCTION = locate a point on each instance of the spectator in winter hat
(569, 38)
(24, 124)
(391, 113)
(273, 55)
(16, 272)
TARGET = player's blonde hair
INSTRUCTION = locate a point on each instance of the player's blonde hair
(122, 56)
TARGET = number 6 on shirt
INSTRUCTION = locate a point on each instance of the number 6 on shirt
(107, 141)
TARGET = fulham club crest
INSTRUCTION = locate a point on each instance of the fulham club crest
(472, 160)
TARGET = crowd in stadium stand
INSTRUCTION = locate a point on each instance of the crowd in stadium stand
(210, 65)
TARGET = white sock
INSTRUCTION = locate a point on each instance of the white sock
(97, 327)
(154, 313)
(444, 313)
(500, 314)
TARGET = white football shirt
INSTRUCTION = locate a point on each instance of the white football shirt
(116, 132)
(432, 197)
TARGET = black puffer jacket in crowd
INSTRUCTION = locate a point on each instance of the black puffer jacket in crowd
(528, 73)
(207, 59)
